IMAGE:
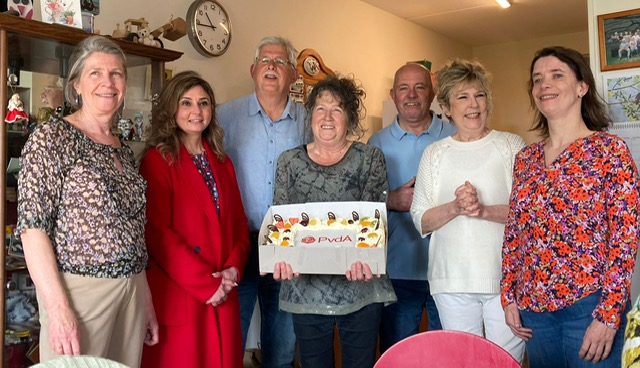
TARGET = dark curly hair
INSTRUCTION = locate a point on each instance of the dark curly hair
(350, 95)
(593, 110)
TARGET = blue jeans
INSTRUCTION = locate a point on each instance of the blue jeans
(402, 318)
(277, 339)
(357, 331)
(557, 336)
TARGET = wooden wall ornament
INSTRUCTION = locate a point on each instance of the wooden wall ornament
(311, 69)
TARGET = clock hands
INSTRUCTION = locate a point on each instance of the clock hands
(210, 22)
(206, 25)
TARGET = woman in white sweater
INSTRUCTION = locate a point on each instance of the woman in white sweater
(461, 198)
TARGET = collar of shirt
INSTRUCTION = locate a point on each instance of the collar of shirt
(288, 113)
(435, 129)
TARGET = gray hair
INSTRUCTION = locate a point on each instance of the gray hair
(78, 58)
(292, 53)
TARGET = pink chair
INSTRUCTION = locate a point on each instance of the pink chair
(446, 349)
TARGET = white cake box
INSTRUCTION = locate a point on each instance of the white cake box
(324, 256)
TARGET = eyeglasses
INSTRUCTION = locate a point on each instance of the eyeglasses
(277, 61)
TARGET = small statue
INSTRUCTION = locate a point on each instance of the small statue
(119, 33)
(138, 123)
(15, 110)
(124, 127)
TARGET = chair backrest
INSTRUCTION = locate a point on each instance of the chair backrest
(446, 349)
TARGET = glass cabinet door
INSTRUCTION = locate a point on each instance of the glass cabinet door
(34, 63)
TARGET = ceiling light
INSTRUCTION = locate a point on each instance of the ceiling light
(504, 3)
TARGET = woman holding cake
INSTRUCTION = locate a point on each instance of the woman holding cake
(196, 232)
(348, 171)
(461, 198)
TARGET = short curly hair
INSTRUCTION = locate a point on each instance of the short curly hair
(350, 95)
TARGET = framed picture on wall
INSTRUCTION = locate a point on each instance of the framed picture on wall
(619, 39)
(622, 95)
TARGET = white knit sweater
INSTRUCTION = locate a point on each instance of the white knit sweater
(465, 254)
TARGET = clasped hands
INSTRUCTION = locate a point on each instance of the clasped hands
(229, 280)
(466, 202)
(359, 271)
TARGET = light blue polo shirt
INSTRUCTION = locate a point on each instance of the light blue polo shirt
(254, 142)
(407, 252)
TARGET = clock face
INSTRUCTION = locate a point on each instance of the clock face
(311, 66)
(209, 27)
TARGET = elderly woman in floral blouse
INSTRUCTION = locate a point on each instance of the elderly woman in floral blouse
(81, 219)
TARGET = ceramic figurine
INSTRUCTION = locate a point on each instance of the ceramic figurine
(124, 127)
(138, 122)
(15, 110)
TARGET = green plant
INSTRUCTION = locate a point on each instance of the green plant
(68, 13)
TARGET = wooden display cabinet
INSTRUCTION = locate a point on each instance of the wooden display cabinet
(42, 48)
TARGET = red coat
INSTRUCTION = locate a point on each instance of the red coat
(187, 242)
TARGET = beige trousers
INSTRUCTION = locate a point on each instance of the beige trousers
(111, 317)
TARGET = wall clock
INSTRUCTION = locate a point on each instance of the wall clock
(209, 27)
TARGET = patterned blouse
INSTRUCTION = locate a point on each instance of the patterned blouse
(361, 175)
(202, 164)
(572, 228)
(70, 188)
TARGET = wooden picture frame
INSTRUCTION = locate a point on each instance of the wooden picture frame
(616, 34)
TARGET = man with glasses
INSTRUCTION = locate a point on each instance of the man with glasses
(257, 128)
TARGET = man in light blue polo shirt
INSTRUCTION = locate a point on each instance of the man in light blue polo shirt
(257, 129)
(403, 142)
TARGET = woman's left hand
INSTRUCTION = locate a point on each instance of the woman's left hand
(360, 271)
(597, 342)
(229, 277)
(229, 280)
(151, 322)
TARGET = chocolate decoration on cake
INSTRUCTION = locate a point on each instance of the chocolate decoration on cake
(268, 240)
(277, 217)
(331, 216)
(355, 216)
(272, 227)
(304, 217)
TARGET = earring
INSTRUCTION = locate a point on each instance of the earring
(78, 100)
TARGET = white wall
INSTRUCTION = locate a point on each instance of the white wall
(351, 36)
(509, 65)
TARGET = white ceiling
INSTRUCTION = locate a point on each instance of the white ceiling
(484, 22)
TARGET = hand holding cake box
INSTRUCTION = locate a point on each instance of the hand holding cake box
(324, 238)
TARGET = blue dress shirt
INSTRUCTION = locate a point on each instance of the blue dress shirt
(407, 252)
(254, 142)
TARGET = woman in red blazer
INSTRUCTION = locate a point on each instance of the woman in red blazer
(196, 232)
